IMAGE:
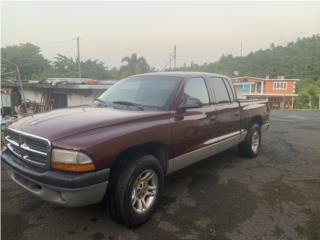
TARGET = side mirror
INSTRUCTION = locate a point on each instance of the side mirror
(190, 103)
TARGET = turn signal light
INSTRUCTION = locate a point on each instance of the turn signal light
(73, 167)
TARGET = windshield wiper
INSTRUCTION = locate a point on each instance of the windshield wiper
(129, 104)
(101, 102)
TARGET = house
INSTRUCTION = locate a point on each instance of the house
(55, 93)
(280, 92)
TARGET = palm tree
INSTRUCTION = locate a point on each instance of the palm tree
(134, 65)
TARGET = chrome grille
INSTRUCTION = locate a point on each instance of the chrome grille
(37, 144)
(14, 136)
(32, 149)
(17, 150)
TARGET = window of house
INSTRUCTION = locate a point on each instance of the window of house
(258, 87)
(280, 85)
(246, 88)
(253, 88)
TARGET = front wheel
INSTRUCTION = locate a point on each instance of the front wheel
(136, 190)
(250, 147)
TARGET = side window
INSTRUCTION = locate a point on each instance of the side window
(231, 95)
(196, 88)
(219, 89)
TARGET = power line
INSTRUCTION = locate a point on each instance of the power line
(54, 42)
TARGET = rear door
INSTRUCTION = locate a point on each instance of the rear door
(228, 111)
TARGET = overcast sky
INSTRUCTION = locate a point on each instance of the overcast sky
(202, 31)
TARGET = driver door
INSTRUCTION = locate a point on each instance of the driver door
(192, 128)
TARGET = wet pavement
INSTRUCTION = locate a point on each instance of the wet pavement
(273, 196)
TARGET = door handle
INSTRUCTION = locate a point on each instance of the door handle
(237, 114)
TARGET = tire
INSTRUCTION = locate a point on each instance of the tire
(250, 147)
(133, 180)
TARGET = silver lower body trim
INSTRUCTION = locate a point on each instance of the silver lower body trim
(243, 134)
(223, 137)
(74, 197)
(224, 142)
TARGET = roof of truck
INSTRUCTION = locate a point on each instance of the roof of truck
(183, 74)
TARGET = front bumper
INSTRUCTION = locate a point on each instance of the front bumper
(63, 188)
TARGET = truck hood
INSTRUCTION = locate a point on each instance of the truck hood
(61, 123)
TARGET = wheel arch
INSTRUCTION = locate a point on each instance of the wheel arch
(257, 119)
(155, 148)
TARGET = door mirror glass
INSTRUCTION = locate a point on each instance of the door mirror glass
(191, 102)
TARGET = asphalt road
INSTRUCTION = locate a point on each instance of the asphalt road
(274, 196)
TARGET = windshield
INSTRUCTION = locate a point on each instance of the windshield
(145, 91)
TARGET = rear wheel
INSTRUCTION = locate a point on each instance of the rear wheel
(136, 190)
(250, 147)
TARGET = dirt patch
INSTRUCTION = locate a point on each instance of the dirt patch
(276, 192)
(311, 229)
(278, 147)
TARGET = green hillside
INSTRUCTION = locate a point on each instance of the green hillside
(299, 59)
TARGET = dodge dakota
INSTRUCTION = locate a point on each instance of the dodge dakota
(119, 149)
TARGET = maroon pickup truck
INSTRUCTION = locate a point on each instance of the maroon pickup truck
(119, 149)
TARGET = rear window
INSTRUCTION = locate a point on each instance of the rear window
(219, 90)
(231, 95)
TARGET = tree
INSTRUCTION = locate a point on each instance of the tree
(7, 72)
(311, 90)
(29, 59)
(64, 66)
(95, 69)
(299, 59)
(134, 65)
(33, 66)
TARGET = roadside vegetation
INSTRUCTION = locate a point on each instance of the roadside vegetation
(299, 59)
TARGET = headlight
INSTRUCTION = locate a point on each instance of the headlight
(71, 161)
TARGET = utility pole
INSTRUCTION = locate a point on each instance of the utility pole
(19, 78)
(78, 57)
(175, 57)
(241, 48)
